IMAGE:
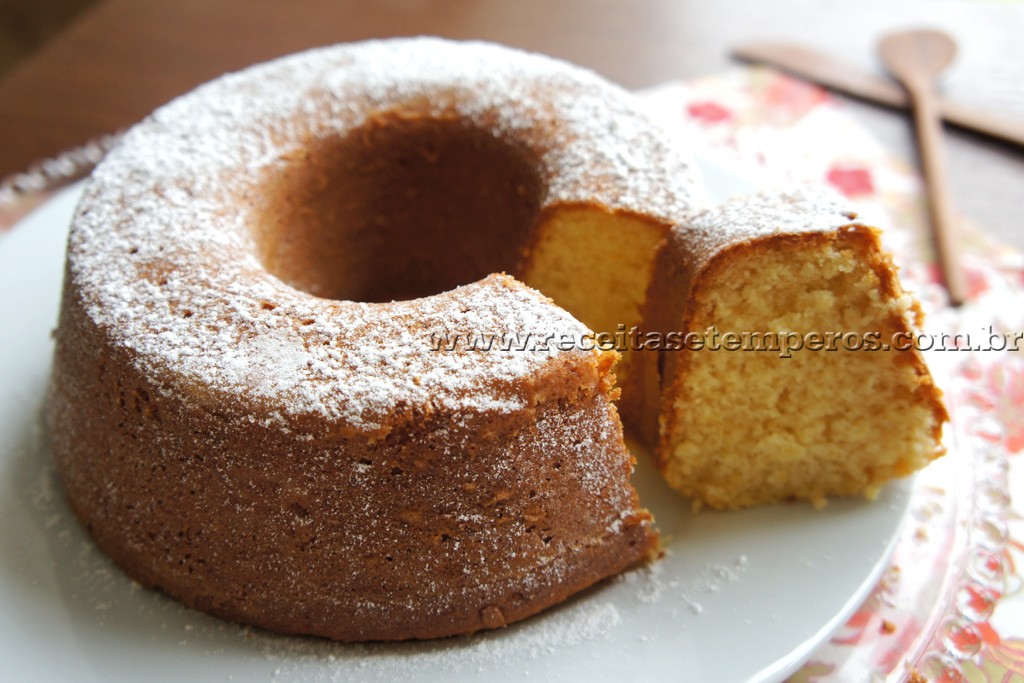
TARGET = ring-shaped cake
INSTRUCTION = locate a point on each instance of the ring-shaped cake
(272, 397)
(294, 386)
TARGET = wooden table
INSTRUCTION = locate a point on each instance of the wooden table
(123, 58)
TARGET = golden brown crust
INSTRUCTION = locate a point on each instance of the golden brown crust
(314, 465)
(348, 538)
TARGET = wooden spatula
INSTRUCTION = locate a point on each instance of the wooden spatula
(916, 58)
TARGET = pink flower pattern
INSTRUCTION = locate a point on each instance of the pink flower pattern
(851, 180)
(709, 112)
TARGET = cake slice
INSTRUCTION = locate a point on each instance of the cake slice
(788, 369)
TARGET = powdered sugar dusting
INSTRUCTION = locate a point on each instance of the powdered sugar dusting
(807, 209)
(163, 251)
(348, 361)
(522, 647)
(676, 593)
(596, 144)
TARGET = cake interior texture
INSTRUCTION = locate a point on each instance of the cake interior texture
(597, 265)
(809, 410)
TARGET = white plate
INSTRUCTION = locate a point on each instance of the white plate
(740, 596)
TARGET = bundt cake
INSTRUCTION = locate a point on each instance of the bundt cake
(270, 398)
(793, 372)
(294, 387)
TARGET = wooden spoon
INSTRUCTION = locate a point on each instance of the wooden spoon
(915, 58)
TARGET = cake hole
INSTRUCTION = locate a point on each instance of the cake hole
(402, 207)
